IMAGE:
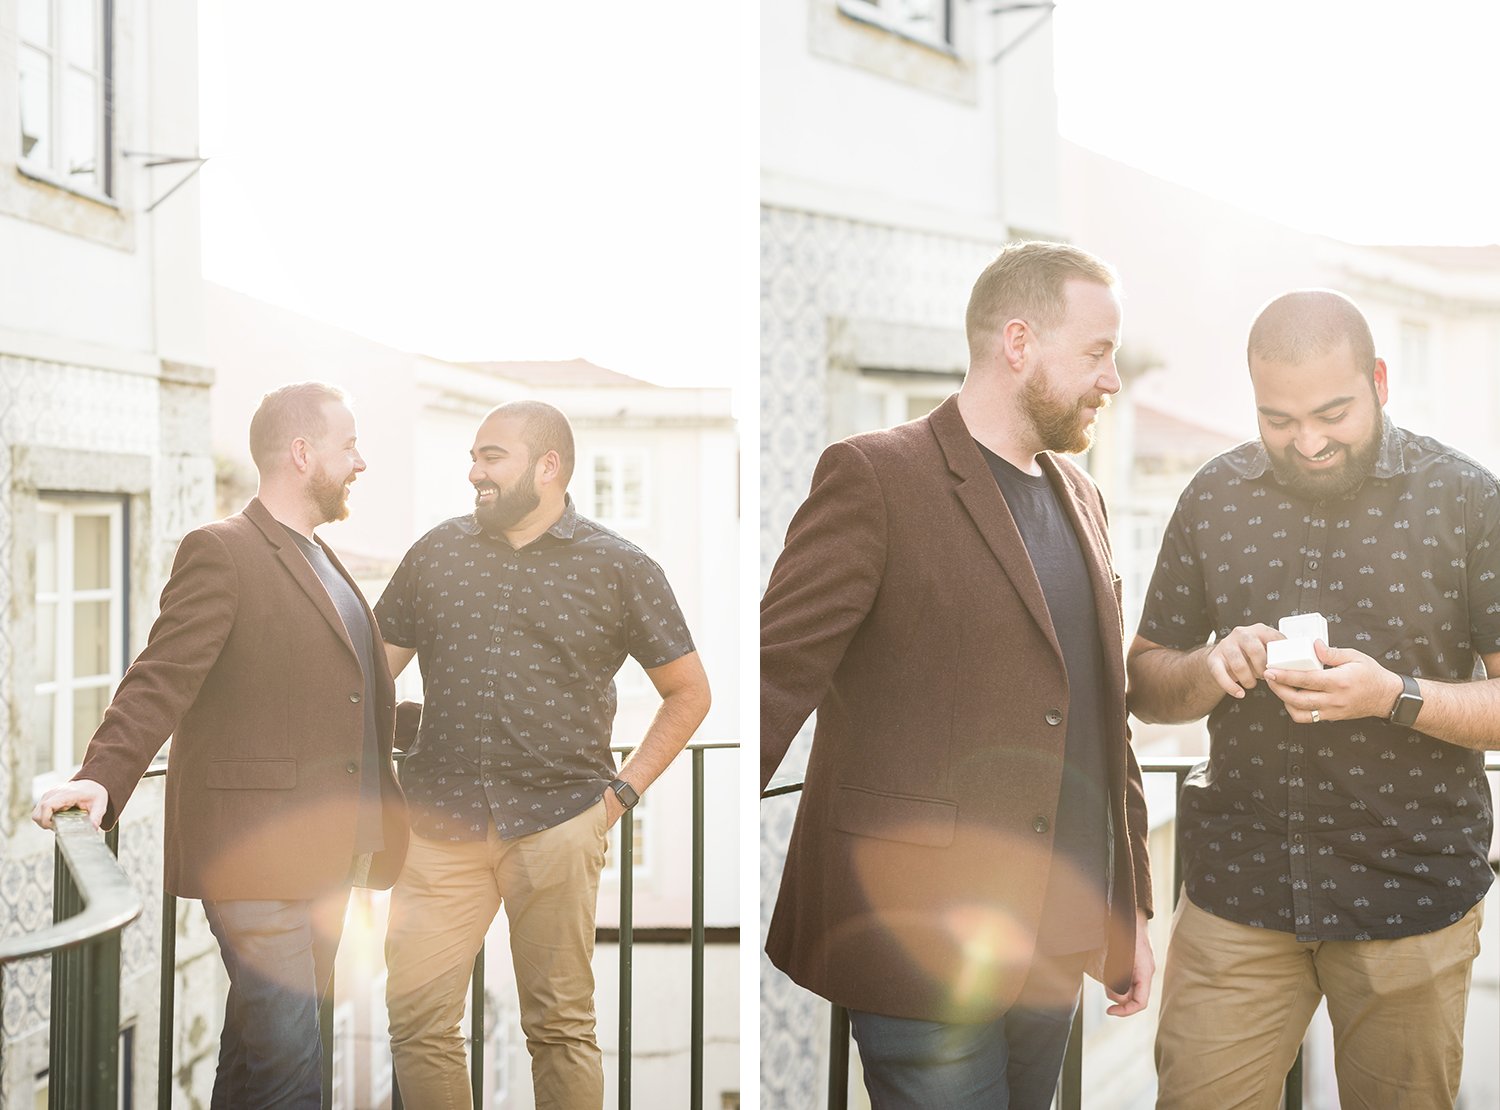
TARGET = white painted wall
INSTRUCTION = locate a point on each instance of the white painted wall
(840, 136)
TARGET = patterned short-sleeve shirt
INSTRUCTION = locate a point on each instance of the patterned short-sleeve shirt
(1338, 830)
(518, 651)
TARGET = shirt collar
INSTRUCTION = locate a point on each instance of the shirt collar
(1253, 461)
(563, 528)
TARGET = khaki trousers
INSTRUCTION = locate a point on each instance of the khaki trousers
(441, 908)
(1236, 1002)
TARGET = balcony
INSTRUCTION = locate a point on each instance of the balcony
(1109, 1060)
(94, 1060)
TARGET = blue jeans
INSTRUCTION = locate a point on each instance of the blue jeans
(1010, 1063)
(279, 956)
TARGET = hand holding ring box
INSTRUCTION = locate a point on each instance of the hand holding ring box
(1296, 652)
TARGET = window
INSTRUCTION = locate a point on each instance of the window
(502, 1021)
(887, 398)
(1414, 372)
(618, 487)
(639, 841)
(80, 623)
(343, 1054)
(65, 91)
(928, 21)
(380, 1045)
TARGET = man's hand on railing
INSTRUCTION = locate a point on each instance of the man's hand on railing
(86, 794)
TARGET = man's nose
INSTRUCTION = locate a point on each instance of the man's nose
(1310, 443)
(1109, 379)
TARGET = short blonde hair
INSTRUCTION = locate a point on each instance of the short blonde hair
(1027, 282)
(287, 413)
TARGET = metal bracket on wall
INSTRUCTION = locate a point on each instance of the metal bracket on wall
(168, 160)
(1045, 8)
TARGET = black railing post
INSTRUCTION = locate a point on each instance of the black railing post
(325, 1037)
(83, 1066)
(695, 1035)
(1070, 1083)
(167, 1019)
(838, 1059)
(476, 1028)
(627, 943)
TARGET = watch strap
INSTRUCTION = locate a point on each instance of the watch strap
(627, 794)
(1408, 703)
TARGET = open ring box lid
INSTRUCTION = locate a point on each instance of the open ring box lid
(1296, 653)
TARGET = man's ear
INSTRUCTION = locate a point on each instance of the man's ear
(1016, 343)
(549, 467)
(300, 453)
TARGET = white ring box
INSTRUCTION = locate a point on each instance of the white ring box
(1296, 652)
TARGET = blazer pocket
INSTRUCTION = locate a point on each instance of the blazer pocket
(251, 774)
(926, 821)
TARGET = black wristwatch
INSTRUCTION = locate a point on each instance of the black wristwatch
(628, 796)
(1408, 703)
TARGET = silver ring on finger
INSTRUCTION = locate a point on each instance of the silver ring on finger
(1314, 716)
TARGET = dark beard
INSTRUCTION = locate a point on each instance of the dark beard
(331, 497)
(1060, 427)
(1359, 463)
(508, 509)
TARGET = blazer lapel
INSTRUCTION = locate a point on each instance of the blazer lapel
(980, 496)
(300, 569)
(1095, 546)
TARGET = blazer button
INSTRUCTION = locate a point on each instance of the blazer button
(1054, 716)
(1041, 824)
(352, 767)
(354, 698)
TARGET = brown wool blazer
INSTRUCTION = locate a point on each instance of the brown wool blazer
(250, 669)
(905, 610)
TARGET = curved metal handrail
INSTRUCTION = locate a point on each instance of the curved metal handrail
(110, 901)
(1154, 764)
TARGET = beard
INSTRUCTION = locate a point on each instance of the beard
(1324, 485)
(510, 506)
(330, 495)
(1063, 428)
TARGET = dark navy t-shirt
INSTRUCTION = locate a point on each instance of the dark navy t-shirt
(1074, 913)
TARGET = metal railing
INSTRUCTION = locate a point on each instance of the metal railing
(1070, 1085)
(94, 900)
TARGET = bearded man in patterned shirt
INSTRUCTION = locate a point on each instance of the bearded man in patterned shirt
(519, 615)
(1334, 843)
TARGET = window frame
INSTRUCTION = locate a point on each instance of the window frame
(640, 833)
(877, 13)
(618, 457)
(52, 172)
(67, 506)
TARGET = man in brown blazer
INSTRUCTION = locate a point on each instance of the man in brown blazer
(972, 832)
(265, 668)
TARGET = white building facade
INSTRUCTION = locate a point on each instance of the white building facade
(105, 461)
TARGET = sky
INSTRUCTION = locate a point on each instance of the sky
(491, 180)
(1366, 120)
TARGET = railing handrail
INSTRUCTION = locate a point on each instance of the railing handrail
(1149, 764)
(110, 900)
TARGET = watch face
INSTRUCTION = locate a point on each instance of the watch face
(1408, 705)
(1406, 710)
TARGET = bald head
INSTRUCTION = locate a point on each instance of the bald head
(542, 428)
(1304, 324)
